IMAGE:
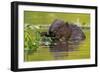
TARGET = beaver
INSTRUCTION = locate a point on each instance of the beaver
(64, 36)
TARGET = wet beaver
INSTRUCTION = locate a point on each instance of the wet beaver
(64, 36)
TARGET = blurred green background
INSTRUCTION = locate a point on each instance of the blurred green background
(46, 18)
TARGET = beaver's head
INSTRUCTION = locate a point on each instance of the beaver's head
(59, 29)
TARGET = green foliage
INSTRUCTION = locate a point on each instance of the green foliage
(31, 39)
